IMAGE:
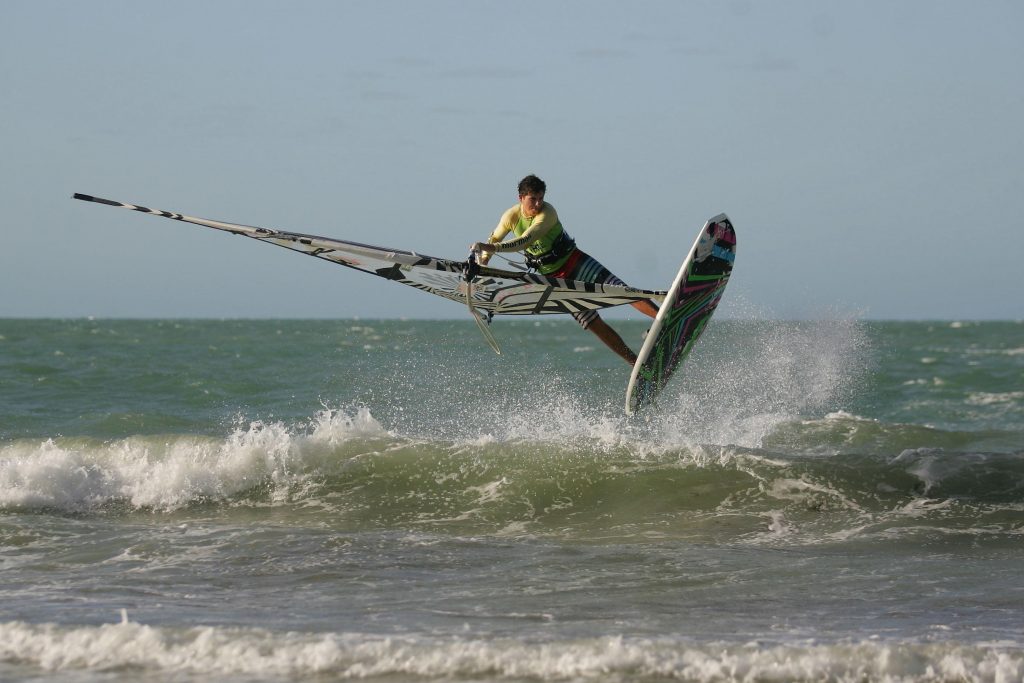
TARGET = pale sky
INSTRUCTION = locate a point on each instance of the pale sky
(870, 154)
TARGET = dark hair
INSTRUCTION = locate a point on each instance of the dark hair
(531, 184)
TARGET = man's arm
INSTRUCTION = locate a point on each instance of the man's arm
(543, 222)
(504, 227)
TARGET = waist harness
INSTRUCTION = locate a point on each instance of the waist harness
(560, 248)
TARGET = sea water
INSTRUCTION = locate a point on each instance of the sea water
(390, 501)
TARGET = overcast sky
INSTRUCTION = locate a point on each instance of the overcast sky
(870, 154)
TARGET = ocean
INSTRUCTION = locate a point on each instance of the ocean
(388, 500)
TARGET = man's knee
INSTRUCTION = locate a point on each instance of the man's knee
(586, 318)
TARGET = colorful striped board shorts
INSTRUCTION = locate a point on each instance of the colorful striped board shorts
(583, 267)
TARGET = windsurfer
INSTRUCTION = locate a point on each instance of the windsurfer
(549, 249)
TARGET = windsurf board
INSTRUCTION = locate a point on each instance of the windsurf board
(684, 313)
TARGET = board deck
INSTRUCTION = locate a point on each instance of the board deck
(688, 305)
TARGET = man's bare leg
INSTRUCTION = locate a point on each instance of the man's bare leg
(612, 340)
(647, 307)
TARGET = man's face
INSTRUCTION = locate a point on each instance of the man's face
(531, 204)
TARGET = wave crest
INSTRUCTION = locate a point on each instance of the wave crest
(264, 655)
(346, 468)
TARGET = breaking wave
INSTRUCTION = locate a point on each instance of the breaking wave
(132, 651)
(808, 481)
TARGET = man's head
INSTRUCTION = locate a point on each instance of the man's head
(531, 184)
(531, 195)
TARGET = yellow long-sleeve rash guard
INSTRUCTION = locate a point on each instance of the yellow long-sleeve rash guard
(542, 229)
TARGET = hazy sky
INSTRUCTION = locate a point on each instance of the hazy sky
(870, 154)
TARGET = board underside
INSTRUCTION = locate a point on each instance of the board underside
(686, 310)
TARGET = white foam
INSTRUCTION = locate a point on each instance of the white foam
(257, 653)
(989, 398)
(166, 473)
(810, 494)
(333, 427)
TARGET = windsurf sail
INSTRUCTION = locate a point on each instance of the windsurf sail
(494, 291)
(482, 323)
